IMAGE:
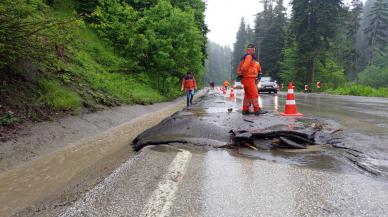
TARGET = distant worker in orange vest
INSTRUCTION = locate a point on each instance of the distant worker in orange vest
(189, 85)
(249, 71)
(226, 84)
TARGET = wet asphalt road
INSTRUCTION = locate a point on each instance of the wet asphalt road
(200, 180)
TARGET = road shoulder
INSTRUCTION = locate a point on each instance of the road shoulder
(38, 139)
(87, 160)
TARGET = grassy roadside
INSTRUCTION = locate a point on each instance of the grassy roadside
(359, 90)
(87, 74)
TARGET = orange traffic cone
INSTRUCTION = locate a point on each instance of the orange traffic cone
(291, 109)
(232, 93)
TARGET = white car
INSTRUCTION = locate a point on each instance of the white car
(266, 84)
(238, 85)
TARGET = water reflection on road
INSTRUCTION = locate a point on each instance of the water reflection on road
(364, 120)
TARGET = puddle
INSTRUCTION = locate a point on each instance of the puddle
(314, 158)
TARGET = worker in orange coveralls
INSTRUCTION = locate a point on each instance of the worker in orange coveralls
(249, 71)
(226, 84)
(189, 85)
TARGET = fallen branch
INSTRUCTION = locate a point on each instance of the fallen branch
(250, 146)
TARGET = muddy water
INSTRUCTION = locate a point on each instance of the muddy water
(30, 183)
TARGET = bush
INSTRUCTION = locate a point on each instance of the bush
(374, 76)
(58, 97)
(360, 90)
(331, 74)
(9, 119)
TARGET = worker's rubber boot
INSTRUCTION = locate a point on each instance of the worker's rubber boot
(261, 112)
(245, 112)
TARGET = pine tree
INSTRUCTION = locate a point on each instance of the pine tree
(239, 45)
(352, 31)
(250, 34)
(343, 47)
(314, 24)
(218, 63)
(362, 37)
(273, 44)
(262, 24)
(377, 35)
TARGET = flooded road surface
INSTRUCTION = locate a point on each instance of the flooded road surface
(365, 120)
(195, 176)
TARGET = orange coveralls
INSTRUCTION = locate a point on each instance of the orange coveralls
(250, 69)
(226, 84)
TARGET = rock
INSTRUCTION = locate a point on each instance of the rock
(244, 135)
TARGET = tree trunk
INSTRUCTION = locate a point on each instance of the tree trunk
(310, 70)
(372, 43)
(356, 59)
(158, 79)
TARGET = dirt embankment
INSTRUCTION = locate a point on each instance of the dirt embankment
(33, 140)
(70, 156)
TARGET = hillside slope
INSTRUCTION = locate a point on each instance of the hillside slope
(71, 67)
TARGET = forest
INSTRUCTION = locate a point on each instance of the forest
(342, 44)
(218, 63)
(68, 56)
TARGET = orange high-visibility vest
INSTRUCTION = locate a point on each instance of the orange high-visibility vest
(189, 83)
(249, 67)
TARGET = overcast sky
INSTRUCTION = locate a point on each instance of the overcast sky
(223, 17)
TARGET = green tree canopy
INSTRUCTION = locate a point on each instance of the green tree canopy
(377, 29)
(218, 63)
(272, 45)
(314, 24)
(239, 46)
